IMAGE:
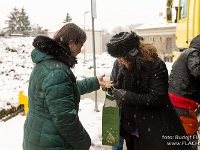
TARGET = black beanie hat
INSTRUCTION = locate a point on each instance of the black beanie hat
(124, 44)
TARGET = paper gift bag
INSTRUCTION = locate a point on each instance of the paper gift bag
(110, 121)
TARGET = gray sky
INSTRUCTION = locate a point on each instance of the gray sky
(110, 13)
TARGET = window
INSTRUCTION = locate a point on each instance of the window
(183, 8)
(168, 45)
(151, 39)
(168, 59)
(160, 39)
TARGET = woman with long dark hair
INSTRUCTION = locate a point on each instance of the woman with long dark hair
(148, 118)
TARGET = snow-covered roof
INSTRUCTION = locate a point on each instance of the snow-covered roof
(158, 23)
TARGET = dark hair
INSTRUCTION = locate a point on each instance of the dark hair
(59, 45)
(68, 32)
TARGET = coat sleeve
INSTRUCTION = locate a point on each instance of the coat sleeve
(194, 63)
(88, 85)
(120, 78)
(114, 72)
(60, 100)
(158, 89)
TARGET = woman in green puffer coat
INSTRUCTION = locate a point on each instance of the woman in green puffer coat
(52, 122)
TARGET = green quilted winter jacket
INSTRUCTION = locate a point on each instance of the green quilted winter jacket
(52, 122)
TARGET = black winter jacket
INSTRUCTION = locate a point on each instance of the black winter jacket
(184, 78)
(114, 72)
(147, 104)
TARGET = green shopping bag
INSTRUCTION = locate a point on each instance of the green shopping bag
(110, 121)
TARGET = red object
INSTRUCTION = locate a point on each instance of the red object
(182, 102)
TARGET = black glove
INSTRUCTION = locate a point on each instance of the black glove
(118, 93)
(109, 90)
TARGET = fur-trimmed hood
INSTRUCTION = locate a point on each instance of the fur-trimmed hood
(55, 49)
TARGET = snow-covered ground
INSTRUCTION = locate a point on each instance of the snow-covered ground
(15, 68)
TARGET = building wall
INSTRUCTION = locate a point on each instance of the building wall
(88, 46)
(159, 37)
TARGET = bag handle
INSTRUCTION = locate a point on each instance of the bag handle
(111, 87)
(110, 97)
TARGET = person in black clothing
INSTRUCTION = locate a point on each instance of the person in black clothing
(184, 87)
(148, 118)
(113, 77)
(114, 72)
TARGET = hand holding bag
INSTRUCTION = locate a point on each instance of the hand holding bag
(110, 121)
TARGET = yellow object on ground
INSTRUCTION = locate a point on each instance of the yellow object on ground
(24, 101)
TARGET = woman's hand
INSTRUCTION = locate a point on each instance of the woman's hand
(104, 84)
